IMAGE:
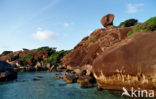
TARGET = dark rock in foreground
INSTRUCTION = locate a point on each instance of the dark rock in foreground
(6, 72)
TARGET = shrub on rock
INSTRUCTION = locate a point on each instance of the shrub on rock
(128, 23)
(147, 26)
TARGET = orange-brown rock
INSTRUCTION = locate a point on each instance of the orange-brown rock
(92, 46)
(129, 63)
(107, 20)
(26, 57)
(70, 78)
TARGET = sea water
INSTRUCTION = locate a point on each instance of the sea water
(43, 85)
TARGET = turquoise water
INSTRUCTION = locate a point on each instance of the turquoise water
(48, 87)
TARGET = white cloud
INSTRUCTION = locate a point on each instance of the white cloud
(44, 35)
(66, 24)
(134, 8)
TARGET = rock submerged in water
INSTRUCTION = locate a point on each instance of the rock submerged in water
(58, 77)
(86, 81)
(6, 72)
(129, 63)
(86, 84)
(35, 79)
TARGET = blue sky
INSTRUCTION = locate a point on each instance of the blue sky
(62, 23)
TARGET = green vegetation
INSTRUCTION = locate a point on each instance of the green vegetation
(148, 26)
(95, 39)
(86, 43)
(45, 54)
(27, 57)
(47, 49)
(128, 23)
(56, 57)
(14, 57)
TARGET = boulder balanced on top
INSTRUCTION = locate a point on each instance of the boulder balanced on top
(107, 20)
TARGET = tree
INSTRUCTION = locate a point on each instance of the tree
(128, 23)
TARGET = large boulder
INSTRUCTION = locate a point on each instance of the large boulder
(7, 72)
(129, 63)
(107, 20)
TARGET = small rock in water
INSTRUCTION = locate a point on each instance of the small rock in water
(35, 79)
(86, 85)
(62, 84)
(70, 78)
(58, 77)
(98, 88)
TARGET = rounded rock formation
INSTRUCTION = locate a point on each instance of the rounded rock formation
(129, 63)
(107, 20)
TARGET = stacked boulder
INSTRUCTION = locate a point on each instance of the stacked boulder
(81, 58)
(92, 46)
(107, 20)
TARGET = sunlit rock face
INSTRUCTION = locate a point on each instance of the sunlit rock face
(131, 63)
(107, 20)
(92, 46)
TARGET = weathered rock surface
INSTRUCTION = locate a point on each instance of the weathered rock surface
(86, 84)
(58, 77)
(129, 63)
(6, 72)
(107, 20)
(70, 78)
(92, 46)
(27, 60)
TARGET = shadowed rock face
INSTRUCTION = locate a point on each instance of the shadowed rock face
(107, 20)
(6, 52)
(7, 72)
(131, 62)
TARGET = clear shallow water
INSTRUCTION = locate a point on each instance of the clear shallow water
(48, 88)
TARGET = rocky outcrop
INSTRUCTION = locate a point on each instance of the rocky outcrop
(6, 72)
(129, 63)
(107, 20)
(114, 59)
(6, 52)
(41, 59)
(92, 46)
(72, 78)
(81, 58)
